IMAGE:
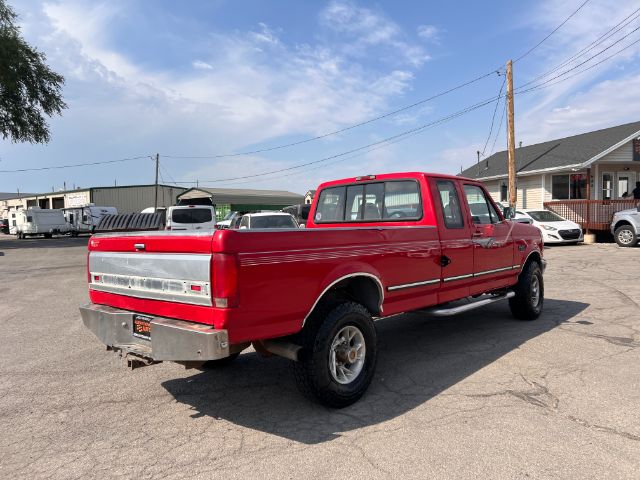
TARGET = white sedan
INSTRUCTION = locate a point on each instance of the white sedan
(554, 228)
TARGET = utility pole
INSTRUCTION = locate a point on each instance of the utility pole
(511, 138)
(157, 170)
(478, 162)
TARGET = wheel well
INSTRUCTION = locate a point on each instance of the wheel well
(533, 257)
(622, 223)
(361, 289)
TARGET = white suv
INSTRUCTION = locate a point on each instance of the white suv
(191, 217)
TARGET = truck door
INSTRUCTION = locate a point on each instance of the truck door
(455, 238)
(492, 241)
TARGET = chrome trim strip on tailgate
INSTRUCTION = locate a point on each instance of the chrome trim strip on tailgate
(182, 278)
(177, 266)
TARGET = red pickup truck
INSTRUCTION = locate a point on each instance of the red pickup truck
(374, 246)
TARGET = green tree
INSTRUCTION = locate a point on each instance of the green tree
(29, 89)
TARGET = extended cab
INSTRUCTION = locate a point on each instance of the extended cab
(374, 246)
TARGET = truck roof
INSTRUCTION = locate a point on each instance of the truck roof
(390, 176)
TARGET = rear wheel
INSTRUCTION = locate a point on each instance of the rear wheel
(529, 299)
(626, 236)
(338, 356)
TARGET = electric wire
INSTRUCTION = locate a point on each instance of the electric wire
(55, 167)
(552, 32)
(342, 130)
(598, 41)
(493, 118)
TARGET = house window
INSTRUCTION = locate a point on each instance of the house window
(565, 187)
(504, 190)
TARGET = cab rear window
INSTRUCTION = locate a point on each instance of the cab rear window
(191, 215)
(394, 200)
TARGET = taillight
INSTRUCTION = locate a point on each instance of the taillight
(225, 280)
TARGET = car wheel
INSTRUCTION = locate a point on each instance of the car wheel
(625, 236)
(529, 299)
(338, 357)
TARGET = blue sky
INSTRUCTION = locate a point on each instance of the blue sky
(204, 78)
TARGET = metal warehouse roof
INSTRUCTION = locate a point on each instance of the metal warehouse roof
(243, 196)
(563, 152)
(12, 195)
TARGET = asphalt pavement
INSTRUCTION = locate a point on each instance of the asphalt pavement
(475, 396)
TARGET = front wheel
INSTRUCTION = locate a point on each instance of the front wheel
(626, 236)
(338, 357)
(529, 299)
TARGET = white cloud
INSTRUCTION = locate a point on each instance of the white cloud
(604, 96)
(366, 28)
(429, 32)
(251, 88)
(200, 65)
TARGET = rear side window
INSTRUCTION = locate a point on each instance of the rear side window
(191, 215)
(450, 204)
(331, 205)
(392, 200)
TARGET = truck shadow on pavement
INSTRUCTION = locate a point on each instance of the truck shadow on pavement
(419, 357)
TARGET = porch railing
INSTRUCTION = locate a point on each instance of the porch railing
(590, 214)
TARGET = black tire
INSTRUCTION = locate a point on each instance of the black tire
(313, 370)
(47, 235)
(220, 363)
(625, 236)
(524, 305)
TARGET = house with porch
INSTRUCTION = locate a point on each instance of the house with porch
(585, 178)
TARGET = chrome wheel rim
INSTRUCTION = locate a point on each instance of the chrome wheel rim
(535, 291)
(347, 355)
(625, 236)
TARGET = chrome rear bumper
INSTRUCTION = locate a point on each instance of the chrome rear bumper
(170, 339)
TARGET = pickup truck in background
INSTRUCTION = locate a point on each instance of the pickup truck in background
(374, 246)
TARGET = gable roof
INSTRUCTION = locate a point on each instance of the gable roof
(563, 152)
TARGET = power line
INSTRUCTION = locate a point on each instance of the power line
(342, 130)
(493, 147)
(549, 82)
(398, 136)
(552, 32)
(585, 61)
(55, 167)
(493, 119)
(598, 41)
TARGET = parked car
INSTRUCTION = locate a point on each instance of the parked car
(230, 219)
(4, 226)
(519, 216)
(625, 227)
(264, 220)
(554, 228)
(192, 297)
(191, 217)
(300, 212)
(40, 221)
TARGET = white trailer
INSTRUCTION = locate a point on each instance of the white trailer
(38, 221)
(85, 219)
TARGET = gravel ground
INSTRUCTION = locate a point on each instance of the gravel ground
(474, 396)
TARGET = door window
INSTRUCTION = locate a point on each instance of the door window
(482, 211)
(450, 204)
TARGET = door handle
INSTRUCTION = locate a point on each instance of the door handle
(476, 234)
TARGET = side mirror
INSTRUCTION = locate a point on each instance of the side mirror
(302, 225)
(509, 212)
(243, 227)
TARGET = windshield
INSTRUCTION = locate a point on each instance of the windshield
(273, 221)
(191, 215)
(545, 216)
(229, 216)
